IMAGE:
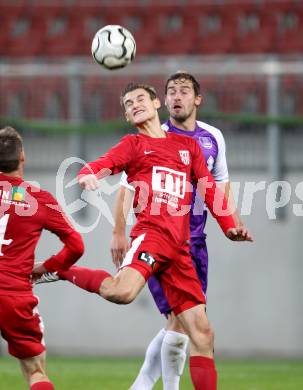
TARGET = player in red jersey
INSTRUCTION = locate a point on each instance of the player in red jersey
(25, 211)
(162, 165)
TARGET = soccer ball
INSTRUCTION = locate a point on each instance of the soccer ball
(113, 47)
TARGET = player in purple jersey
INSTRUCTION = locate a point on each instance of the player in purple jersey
(166, 353)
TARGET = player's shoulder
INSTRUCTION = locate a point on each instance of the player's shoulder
(131, 139)
(214, 131)
(42, 195)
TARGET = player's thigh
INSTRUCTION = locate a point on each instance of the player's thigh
(22, 326)
(129, 279)
(181, 284)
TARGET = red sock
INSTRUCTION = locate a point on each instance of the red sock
(86, 278)
(42, 386)
(203, 373)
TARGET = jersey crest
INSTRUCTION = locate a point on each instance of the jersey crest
(184, 155)
(206, 142)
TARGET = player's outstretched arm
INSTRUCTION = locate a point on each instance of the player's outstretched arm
(119, 243)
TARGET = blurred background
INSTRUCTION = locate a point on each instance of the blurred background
(247, 55)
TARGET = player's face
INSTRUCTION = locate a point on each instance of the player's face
(139, 107)
(180, 99)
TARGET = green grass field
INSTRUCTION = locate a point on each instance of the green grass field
(117, 374)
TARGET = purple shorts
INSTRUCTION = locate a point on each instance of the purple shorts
(198, 251)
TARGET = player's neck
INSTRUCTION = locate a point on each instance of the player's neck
(152, 128)
(188, 125)
(17, 174)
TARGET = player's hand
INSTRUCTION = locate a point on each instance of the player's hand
(88, 182)
(38, 270)
(119, 246)
(239, 234)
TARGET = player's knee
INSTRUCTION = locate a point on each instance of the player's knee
(34, 370)
(120, 296)
(203, 337)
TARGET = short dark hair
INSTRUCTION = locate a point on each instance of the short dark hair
(10, 148)
(133, 86)
(183, 75)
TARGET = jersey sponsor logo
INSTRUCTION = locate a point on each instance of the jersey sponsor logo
(166, 180)
(206, 142)
(15, 194)
(147, 258)
(184, 155)
(18, 194)
(149, 151)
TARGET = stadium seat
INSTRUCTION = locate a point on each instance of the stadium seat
(290, 31)
(49, 101)
(174, 32)
(244, 94)
(140, 23)
(214, 30)
(88, 19)
(291, 97)
(27, 39)
(17, 100)
(60, 33)
(8, 16)
(255, 29)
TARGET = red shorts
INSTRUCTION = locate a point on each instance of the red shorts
(21, 326)
(176, 273)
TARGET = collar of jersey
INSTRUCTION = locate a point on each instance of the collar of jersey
(173, 128)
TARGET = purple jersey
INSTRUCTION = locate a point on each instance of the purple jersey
(212, 145)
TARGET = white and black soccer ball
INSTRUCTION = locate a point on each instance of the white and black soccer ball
(113, 47)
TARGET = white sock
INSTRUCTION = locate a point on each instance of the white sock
(173, 357)
(151, 370)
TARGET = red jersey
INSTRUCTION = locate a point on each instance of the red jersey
(162, 171)
(25, 211)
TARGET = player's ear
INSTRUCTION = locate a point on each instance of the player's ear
(22, 156)
(126, 116)
(198, 100)
(157, 103)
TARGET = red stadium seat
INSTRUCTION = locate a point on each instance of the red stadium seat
(60, 34)
(244, 94)
(8, 16)
(51, 90)
(141, 22)
(290, 30)
(174, 32)
(27, 42)
(88, 19)
(255, 29)
(214, 30)
(291, 97)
